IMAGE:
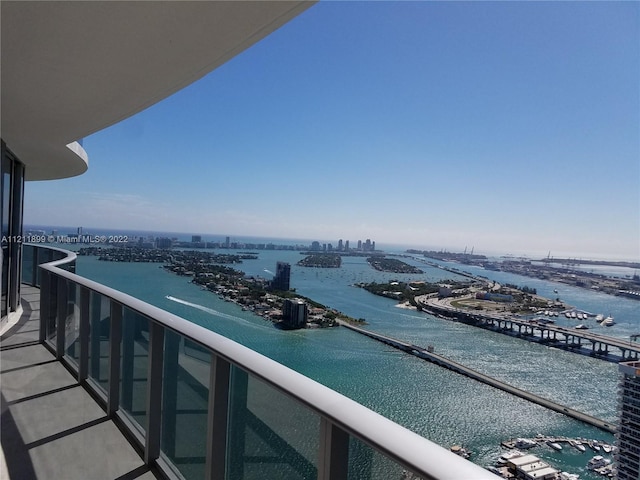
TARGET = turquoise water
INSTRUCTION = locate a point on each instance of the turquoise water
(434, 402)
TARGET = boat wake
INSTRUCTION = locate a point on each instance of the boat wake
(204, 309)
(269, 271)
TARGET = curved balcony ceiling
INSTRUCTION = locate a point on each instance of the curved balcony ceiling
(70, 69)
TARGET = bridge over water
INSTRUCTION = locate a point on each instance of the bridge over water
(580, 341)
(425, 354)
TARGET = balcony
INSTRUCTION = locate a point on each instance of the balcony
(98, 384)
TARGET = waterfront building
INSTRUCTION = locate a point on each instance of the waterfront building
(295, 313)
(196, 238)
(340, 245)
(163, 242)
(628, 436)
(85, 362)
(282, 280)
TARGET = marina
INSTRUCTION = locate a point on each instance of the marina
(516, 464)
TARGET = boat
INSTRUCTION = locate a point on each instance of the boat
(511, 454)
(554, 445)
(598, 462)
(606, 448)
(599, 317)
(569, 476)
(581, 327)
(573, 315)
(567, 314)
(525, 443)
(462, 452)
(607, 322)
(578, 444)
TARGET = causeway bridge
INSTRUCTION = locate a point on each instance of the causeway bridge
(429, 356)
(579, 341)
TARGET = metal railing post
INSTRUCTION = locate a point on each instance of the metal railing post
(170, 393)
(333, 455)
(61, 317)
(128, 359)
(218, 413)
(115, 338)
(45, 303)
(83, 365)
(154, 392)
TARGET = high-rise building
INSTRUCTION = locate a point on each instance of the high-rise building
(196, 238)
(295, 313)
(283, 276)
(340, 245)
(628, 436)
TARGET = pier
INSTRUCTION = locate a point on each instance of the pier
(439, 360)
(579, 341)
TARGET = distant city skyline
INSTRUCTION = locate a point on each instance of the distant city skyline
(505, 127)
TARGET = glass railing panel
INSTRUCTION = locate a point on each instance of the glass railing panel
(366, 463)
(99, 328)
(72, 329)
(185, 399)
(270, 435)
(28, 261)
(134, 366)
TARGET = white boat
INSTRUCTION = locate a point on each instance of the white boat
(581, 327)
(505, 457)
(599, 317)
(578, 444)
(569, 476)
(597, 462)
(573, 315)
(607, 322)
(554, 445)
(567, 314)
(606, 448)
(525, 443)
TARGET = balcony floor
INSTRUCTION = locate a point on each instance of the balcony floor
(50, 426)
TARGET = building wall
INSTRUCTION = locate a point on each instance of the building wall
(628, 436)
(11, 205)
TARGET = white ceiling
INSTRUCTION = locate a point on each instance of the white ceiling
(71, 68)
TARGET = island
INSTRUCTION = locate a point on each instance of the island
(211, 272)
(392, 265)
(321, 260)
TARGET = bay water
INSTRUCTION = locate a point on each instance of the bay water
(438, 404)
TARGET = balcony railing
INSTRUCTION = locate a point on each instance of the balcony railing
(200, 406)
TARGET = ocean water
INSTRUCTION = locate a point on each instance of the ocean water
(434, 402)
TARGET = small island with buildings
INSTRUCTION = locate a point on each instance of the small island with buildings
(271, 299)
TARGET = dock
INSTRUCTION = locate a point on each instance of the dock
(439, 360)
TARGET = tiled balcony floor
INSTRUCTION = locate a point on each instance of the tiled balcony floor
(50, 426)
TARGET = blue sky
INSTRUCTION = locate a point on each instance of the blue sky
(510, 127)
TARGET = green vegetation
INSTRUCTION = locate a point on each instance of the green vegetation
(401, 291)
(392, 265)
(321, 260)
